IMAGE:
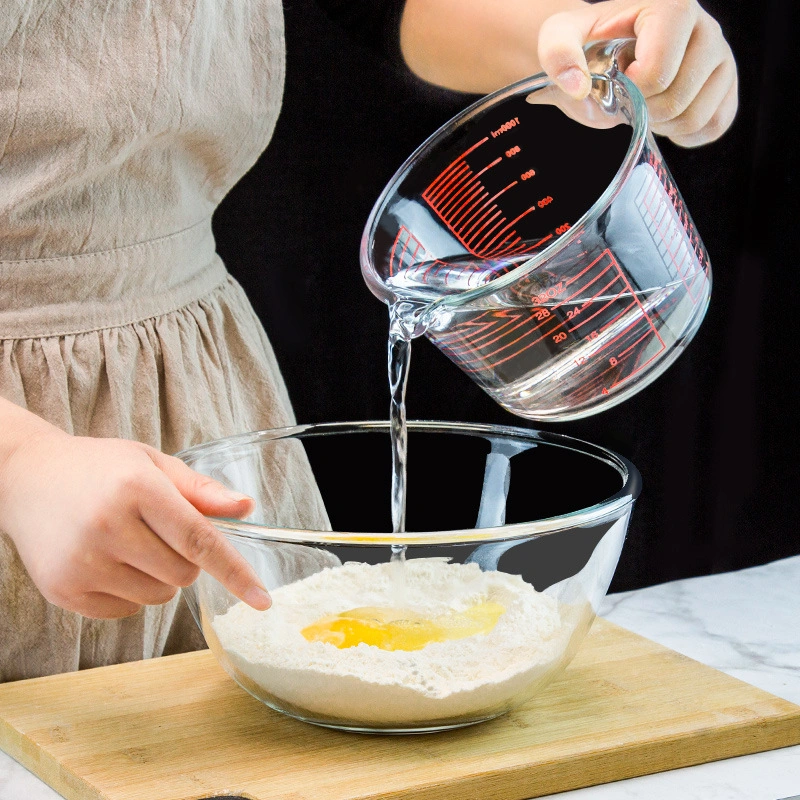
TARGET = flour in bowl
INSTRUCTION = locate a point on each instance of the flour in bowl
(476, 675)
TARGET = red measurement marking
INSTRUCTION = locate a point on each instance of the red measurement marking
(628, 349)
(403, 235)
(449, 177)
(586, 269)
(522, 319)
(515, 221)
(485, 251)
(509, 248)
(679, 244)
(458, 161)
(484, 322)
(596, 314)
(643, 317)
(551, 318)
(459, 198)
(489, 166)
(467, 199)
(403, 242)
(468, 226)
(620, 358)
(454, 190)
(498, 336)
(491, 219)
(542, 241)
(477, 202)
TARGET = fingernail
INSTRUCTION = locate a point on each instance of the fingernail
(257, 597)
(236, 497)
(574, 82)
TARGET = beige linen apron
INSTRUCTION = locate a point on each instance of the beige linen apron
(122, 125)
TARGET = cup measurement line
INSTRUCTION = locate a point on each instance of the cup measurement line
(680, 209)
(493, 218)
(660, 225)
(544, 316)
(638, 302)
(478, 204)
(472, 348)
(537, 310)
(598, 380)
(457, 191)
(621, 358)
(556, 330)
(522, 319)
(599, 311)
(659, 182)
(459, 159)
(403, 239)
(666, 252)
(458, 195)
(475, 197)
(503, 230)
(624, 332)
(489, 205)
(466, 172)
(625, 352)
(651, 332)
(445, 207)
(405, 246)
(442, 191)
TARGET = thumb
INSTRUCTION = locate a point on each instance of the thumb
(561, 40)
(207, 495)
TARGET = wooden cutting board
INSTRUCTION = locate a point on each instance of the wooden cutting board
(179, 728)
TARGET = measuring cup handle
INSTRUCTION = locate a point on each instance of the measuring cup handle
(610, 56)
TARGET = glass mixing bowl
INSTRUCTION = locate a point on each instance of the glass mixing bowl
(512, 538)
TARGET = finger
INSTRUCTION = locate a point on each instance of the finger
(717, 125)
(707, 58)
(205, 494)
(127, 583)
(189, 533)
(560, 50)
(698, 114)
(587, 112)
(148, 553)
(662, 31)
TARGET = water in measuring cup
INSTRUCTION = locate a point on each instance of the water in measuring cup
(553, 343)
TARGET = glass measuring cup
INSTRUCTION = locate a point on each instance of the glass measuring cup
(541, 243)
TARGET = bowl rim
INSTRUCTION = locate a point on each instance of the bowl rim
(612, 507)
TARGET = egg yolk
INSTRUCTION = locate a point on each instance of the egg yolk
(402, 629)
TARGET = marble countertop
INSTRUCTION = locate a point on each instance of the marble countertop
(744, 623)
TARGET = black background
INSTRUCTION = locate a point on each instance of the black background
(714, 437)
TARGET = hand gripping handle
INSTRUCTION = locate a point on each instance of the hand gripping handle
(610, 56)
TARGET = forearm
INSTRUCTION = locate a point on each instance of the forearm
(16, 426)
(475, 45)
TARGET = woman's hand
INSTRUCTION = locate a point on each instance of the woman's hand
(683, 67)
(105, 526)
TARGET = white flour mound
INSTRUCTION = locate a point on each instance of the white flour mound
(367, 685)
